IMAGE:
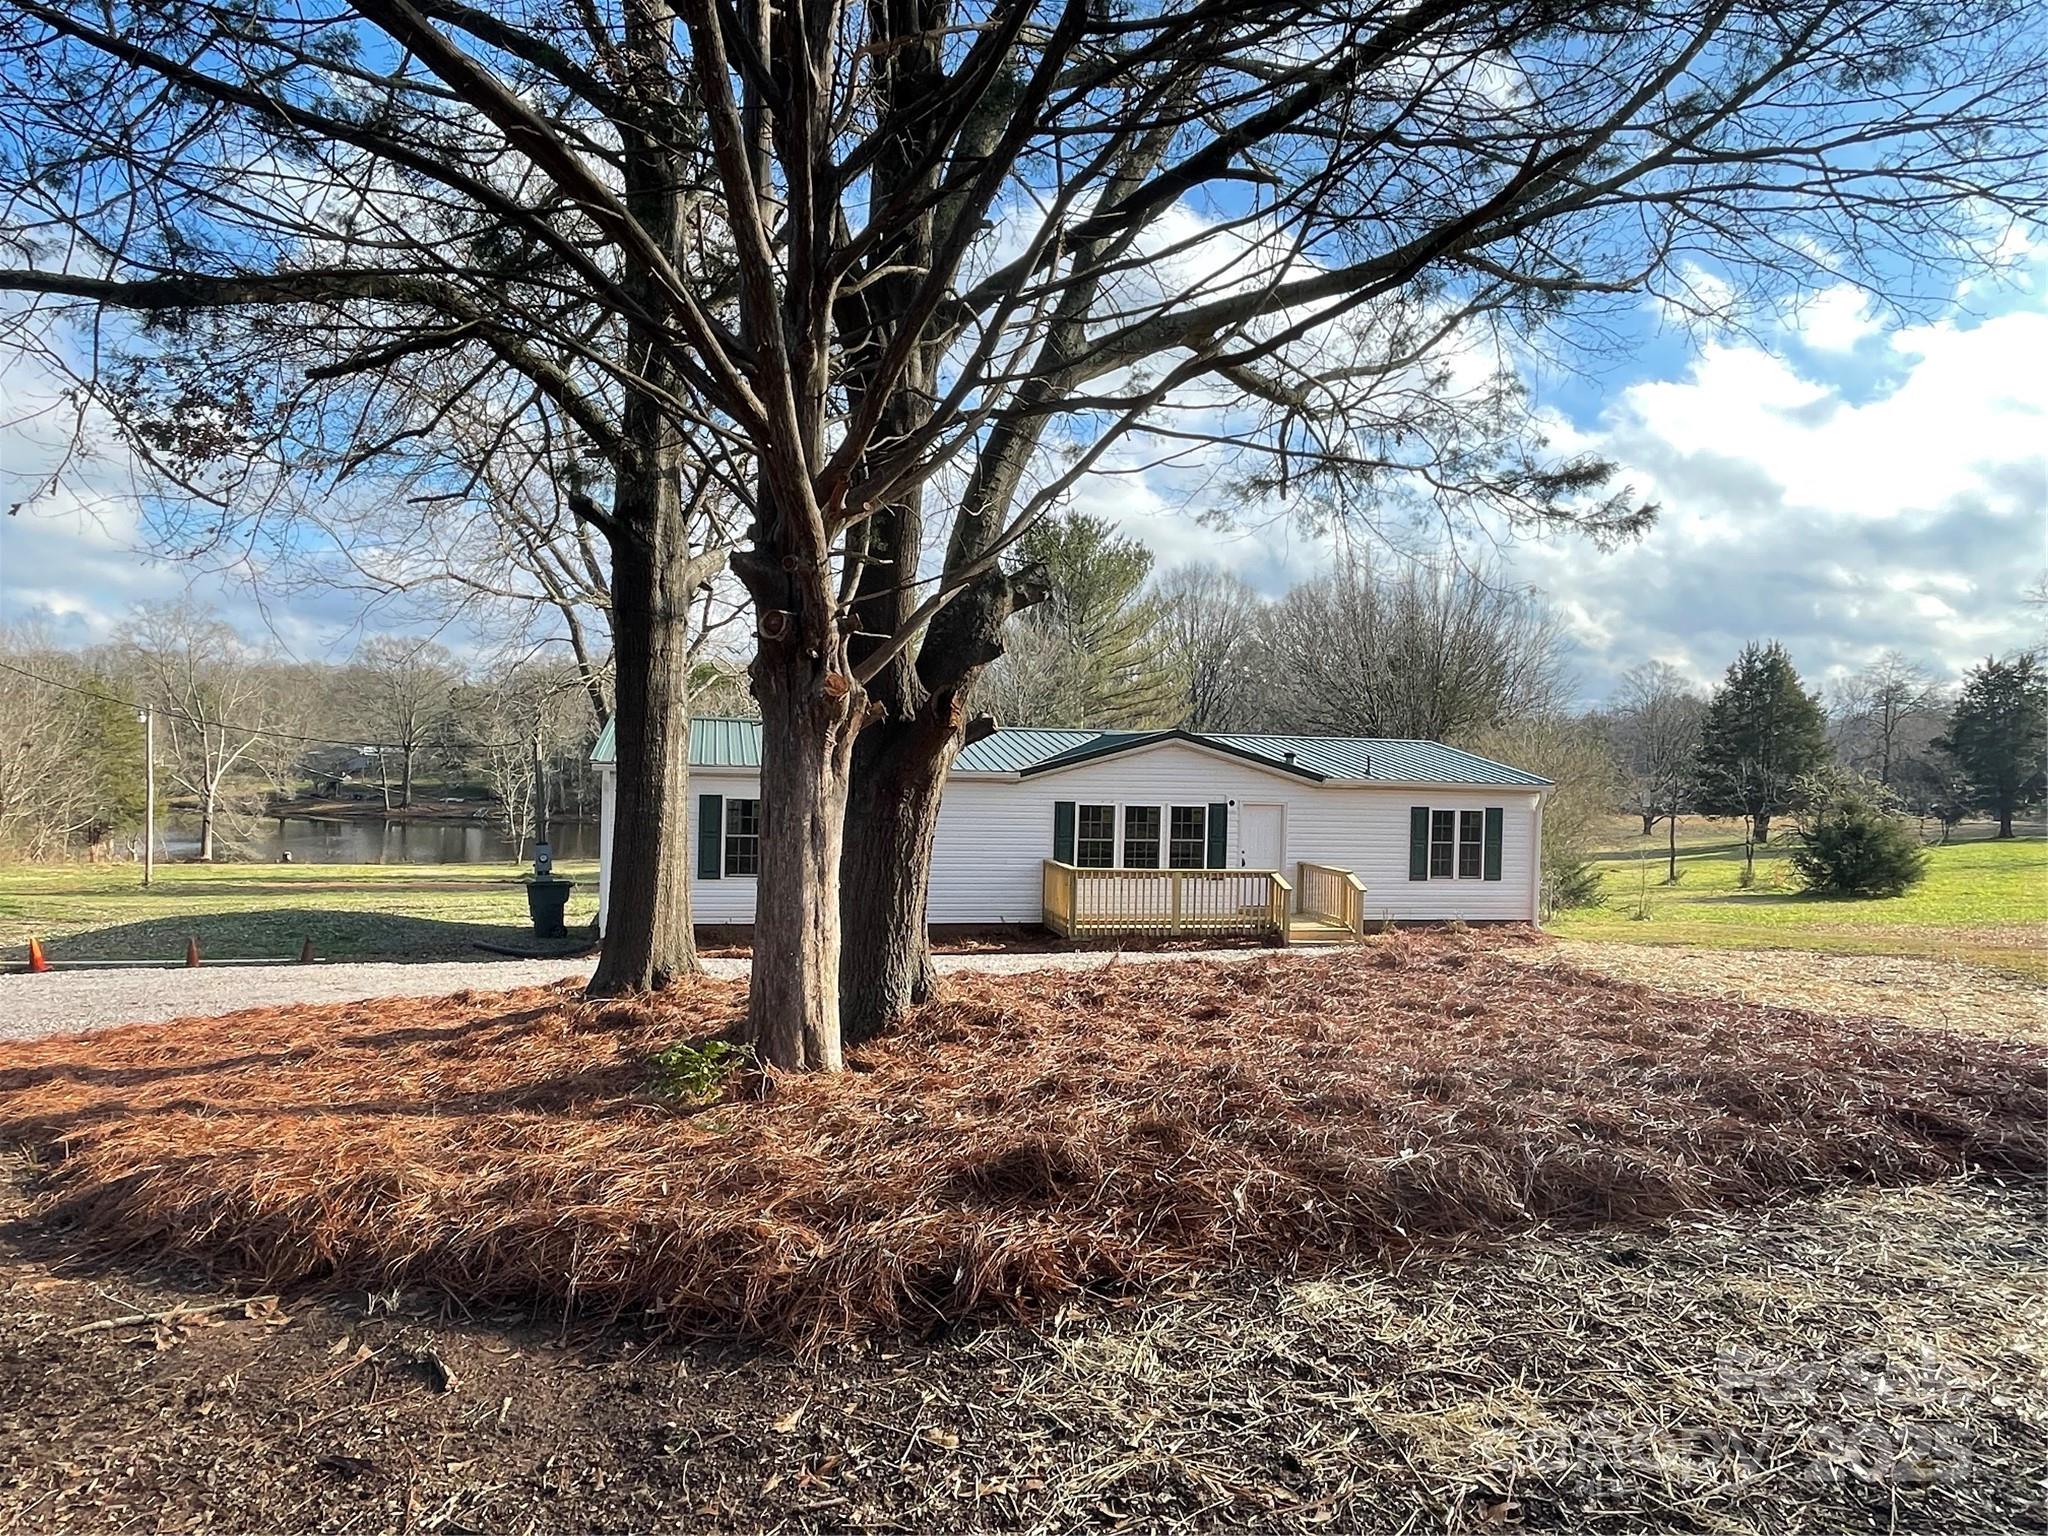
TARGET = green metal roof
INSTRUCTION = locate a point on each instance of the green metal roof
(714, 743)
(724, 743)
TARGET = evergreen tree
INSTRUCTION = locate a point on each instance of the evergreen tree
(110, 764)
(1094, 653)
(1850, 845)
(1762, 731)
(1998, 735)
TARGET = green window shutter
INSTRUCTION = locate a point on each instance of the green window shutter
(1219, 834)
(1063, 831)
(1418, 842)
(710, 837)
(1494, 817)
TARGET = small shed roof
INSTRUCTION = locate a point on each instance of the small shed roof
(726, 743)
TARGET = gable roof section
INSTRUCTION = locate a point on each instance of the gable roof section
(1030, 750)
(1115, 743)
(1388, 760)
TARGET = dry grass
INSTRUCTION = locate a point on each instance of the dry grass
(1936, 993)
(1025, 1138)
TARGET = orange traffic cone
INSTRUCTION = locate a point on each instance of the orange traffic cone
(36, 962)
(192, 951)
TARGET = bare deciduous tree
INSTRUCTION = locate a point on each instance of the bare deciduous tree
(1415, 651)
(44, 798)
(403, 701)
(1886, 713)
(217, 696)
(1656, 728)
(1212, 630)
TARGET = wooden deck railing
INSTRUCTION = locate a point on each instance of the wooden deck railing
(1332, 893)
(1078, 902)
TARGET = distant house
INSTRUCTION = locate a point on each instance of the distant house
(1165, 831)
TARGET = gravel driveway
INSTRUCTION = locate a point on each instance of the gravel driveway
(59, 1001)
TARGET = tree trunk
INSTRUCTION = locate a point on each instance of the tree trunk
(405, 787)
(1671, 874)
(1760, 827)
(384, 776)
(1649, 823)
(647, 939)
(892, 817)
(808, 725)
(206, 805)
(2005, 821)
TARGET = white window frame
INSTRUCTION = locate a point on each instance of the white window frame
(1119, 851)
(1123, 835)
(1473, 821)
(1116, 816)
(1462, 818)
(726, 836)
(1448, 844)
(1202, 840)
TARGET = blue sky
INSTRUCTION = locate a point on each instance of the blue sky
(1840, 479)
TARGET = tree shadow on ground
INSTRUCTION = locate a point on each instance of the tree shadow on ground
(279, 934)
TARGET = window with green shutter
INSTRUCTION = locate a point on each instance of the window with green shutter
(1496, 818)
(1418, 842)
(1063, 831)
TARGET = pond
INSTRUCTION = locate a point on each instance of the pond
(373, 840)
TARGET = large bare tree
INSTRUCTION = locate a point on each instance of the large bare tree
(1886, 714)
(230, 725)
(889, 251)
(1422, 651)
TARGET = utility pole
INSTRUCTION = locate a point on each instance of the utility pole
(148, 794)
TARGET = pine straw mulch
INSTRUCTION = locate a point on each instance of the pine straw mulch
(1024, 1138)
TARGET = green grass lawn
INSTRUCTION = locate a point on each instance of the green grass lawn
(238, 911)
(1983, 900)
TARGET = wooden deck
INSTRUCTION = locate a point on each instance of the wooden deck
(1328, 907)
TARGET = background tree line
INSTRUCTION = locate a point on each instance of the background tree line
(242, 729)
(1390, 647)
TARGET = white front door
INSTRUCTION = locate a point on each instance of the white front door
(1261, 836)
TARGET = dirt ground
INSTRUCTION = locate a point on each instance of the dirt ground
(1872, 1362)
(1938, 994)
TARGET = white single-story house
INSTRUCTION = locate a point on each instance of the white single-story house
(1151, 830)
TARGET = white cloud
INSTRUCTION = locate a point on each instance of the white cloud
(1840, 520)
(1834, 319)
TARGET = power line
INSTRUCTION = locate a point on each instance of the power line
(173, 712)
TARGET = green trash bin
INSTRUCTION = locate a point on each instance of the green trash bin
(547, 897)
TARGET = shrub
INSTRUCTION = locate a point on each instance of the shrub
(1850, 846)
(694, 1072)
(1573, 883)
